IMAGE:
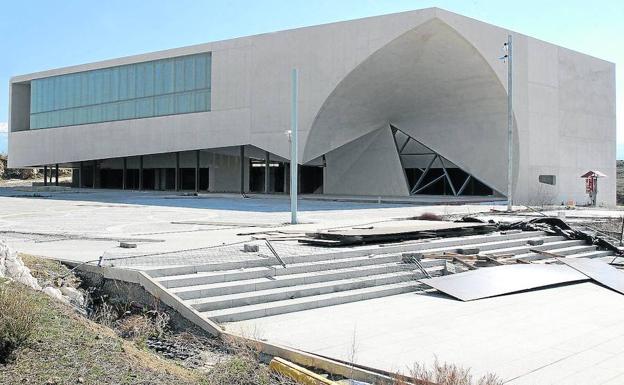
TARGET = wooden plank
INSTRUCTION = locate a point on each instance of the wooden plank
(464, 263)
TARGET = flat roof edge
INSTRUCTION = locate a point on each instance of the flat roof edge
(186, 50)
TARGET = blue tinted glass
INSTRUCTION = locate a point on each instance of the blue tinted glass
(178, 67)
(127, 110)
(184, 103)
(163, 105)
(161, 87)
(144, 107)
(149, 79)
(189, 74)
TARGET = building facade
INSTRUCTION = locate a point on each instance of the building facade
(406, 104)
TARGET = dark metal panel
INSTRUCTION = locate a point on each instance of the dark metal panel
(599, 271)
(499, 280)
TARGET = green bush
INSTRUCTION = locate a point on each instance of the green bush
(18, 318)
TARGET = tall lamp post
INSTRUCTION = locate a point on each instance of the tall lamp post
(293, 148)
(509, 59)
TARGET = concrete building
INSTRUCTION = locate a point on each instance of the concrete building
(395, 105)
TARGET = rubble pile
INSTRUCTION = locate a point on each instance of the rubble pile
(13, 268)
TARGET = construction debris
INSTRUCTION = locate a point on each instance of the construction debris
(598, 271)
(298, 373)
(12, 268)
(272, 249)
(415, 259)
(250, 248)
(494, 281)
(467, 250)
(395, 231)
(556, 226)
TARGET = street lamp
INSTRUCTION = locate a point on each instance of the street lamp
(509, 59)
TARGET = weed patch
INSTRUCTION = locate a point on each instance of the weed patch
(18, 318)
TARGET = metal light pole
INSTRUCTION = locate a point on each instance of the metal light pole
(509, 123)
(293, 148)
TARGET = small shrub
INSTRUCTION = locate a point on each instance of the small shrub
(448, 374)
(140, 327)
(135, 327)
(19, 315)
(244, 368)
(104, 314)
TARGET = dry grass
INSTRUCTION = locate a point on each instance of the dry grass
(18, 319)
(66, 347)
(49, 272)
(140, 327)
(244, 368)
(445, 374)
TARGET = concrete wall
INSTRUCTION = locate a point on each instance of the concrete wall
(369, 165)
(563, 101)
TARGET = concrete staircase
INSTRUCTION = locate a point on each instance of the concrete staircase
(260, 287)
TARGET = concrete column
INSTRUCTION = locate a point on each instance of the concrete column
(197, 171)
(80, 171)
(140, 172)
(124, 173)
(177, 172)
(242, 169)
(267, 170)
(95, 172)
(45, 175)
(56, 173)
(211, 179)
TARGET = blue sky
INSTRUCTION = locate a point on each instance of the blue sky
(38, 35)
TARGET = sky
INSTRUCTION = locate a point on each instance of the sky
(36, 35)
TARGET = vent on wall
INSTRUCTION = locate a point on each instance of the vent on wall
(548, 179)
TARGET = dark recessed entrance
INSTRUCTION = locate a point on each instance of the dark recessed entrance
(311, 180)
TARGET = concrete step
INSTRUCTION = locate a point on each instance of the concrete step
(256, 284)
(298, 304)
(593, 254)
(501, 244)
(567, 251)
(307, 290)
(255, 261)
(203, 278)
(549, 246)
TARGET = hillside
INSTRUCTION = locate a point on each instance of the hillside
(57, 345)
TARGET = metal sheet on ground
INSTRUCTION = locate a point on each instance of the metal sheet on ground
(599, 271)
(499, 280)
(400, 227)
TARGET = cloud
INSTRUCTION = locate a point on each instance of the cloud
(4, 127)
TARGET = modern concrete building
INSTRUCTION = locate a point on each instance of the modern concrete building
(396, 105)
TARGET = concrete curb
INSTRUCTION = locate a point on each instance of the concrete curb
(297, 373)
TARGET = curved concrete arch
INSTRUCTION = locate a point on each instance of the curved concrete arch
(436, 86)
